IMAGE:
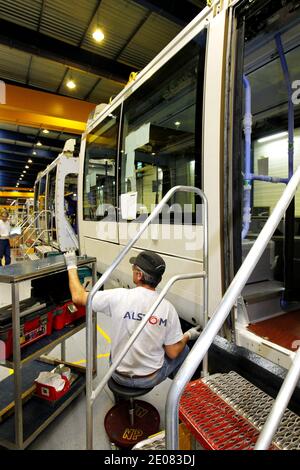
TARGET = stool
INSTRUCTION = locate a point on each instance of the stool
(130, 421)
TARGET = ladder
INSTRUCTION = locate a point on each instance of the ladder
(91, 394)
(276, 412)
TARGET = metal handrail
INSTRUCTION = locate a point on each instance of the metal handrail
(90, 393)
(218, 318)
(32, 222)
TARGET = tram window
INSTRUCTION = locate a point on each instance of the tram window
(42, 193)
(70, 196)
(51, 201)
(100, 169)
(36, 195)
(51, 190)
(161, 144)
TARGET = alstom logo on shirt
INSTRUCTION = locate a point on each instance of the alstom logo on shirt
(139, 316)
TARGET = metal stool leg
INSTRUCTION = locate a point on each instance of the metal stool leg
(131, 411)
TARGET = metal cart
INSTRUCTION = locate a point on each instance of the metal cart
(28, 420)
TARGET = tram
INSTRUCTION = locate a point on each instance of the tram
(217, 109)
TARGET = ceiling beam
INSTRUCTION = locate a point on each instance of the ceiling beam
(17, 160)
(19, 149)
(31, 139)
(180, 11)
(38, 44)
(44, 110)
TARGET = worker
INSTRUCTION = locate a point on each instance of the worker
(161, 347)
(4, 237)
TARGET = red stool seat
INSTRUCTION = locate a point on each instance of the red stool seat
(122, 432)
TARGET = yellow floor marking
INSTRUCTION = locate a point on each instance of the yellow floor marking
(103, 334)
(99, 356)
(102, 355)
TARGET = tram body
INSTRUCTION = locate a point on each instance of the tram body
(180, 122)
(55, 200)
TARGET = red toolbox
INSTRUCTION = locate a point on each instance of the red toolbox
(65, 314)
(33, 325)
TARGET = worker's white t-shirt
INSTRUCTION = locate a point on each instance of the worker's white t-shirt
(4, 229)
(127, 307)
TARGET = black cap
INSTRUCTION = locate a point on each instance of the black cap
(150, 262)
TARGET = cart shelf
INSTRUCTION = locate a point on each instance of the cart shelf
(37, 413)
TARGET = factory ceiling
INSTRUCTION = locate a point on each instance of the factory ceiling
(46, 43)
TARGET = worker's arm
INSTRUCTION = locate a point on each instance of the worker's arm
(79, 295)
(173, 350)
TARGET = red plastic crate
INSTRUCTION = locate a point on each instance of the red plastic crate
(46, 392)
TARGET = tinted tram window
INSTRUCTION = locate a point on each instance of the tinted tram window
(162, 131)
(100, 169)
(70, 195)
(42, 194)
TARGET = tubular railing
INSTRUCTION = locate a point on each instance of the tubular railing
(31, 229)
(211, 330)
(92, 394)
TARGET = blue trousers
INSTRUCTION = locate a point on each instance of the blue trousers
(5, 251)
(169, 369)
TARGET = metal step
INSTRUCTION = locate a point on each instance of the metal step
(32, 256)
(44, 249)
(225, 411)
(262, 300)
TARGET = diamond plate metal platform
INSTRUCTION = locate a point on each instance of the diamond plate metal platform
(255, 405)
(226, 412)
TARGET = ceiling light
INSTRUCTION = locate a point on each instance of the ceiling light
(29, 160)
(98, 35)
(272, 137)
(177, 123)
(24, 171)
(71, 84)
(39, 143)
(26, 166)
(45, 131)
(34, 152)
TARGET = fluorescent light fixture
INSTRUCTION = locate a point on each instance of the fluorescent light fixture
(279, 135)
(45, 131)
(29, 160)
(71, 84)
(39, 143)
(98, 35)
(26, 166)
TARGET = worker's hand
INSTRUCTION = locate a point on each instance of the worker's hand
(193, 333)
(70, 259)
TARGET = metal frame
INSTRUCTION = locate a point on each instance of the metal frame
(38, 269)
(92, 394)
(205, 340)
